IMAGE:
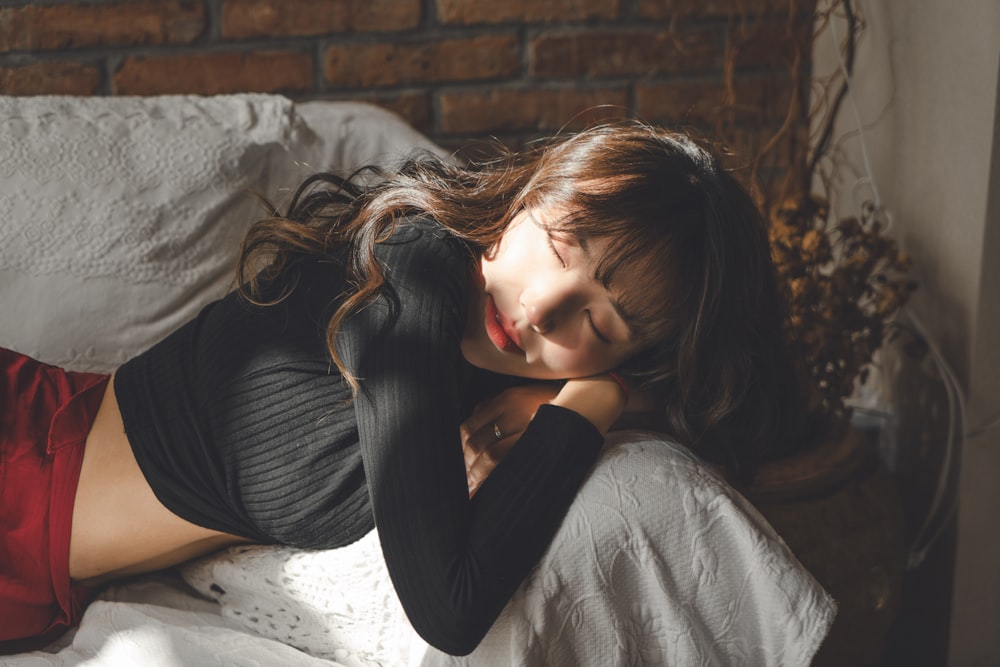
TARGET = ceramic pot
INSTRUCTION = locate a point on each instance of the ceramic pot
(838, 509)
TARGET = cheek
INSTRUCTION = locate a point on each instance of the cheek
(493, 272)
(515, 251)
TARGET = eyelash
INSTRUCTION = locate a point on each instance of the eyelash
(597, 332)
(552, 247)
(590, 317)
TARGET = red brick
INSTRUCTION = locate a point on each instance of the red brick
(681, 9)
(414, 107)
(51, 27)
(705, 102)
(386, 64)
(50, 79)
(763, 43)
(215, 73)
(771, 180)
(744, 143)
(468, 12)
(527, 110)
(267, 18)
(633, 53)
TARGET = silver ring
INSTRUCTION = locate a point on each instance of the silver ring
(497, 433)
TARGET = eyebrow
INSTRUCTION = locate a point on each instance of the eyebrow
(630, 319)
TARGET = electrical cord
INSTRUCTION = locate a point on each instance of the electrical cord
(938, 514)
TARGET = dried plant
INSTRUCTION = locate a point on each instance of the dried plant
(845, 282)
(845, 278)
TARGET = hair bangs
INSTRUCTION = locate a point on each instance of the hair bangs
(636, 265)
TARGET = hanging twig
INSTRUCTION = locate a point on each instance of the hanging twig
(822, 143)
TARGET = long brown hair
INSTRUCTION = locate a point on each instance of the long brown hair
(714, 355)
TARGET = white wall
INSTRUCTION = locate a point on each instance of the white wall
(926, 83)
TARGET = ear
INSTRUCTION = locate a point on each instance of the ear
(491, 252)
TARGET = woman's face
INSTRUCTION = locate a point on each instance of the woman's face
(539, 311)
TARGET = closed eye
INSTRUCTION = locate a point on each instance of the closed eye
(552, 247)
(590, 318)
(597, 332)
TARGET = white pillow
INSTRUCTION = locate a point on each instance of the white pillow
(123, 216)
(355, 134)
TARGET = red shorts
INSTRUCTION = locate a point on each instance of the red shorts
(45, 415)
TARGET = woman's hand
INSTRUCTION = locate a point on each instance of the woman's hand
(496, 424)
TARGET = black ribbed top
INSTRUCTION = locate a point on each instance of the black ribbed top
(241, 423)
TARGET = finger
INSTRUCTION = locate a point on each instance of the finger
(484, 463)
(475, 478)
(470, 453)
(466, 432)
(476, 443)
(477, 469)
(472, 426)
(484, 414)
(487, 434)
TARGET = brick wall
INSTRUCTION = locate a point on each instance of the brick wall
(456, 69)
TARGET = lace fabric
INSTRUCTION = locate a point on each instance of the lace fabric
(137, 188)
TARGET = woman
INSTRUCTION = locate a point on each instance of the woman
(334, 390)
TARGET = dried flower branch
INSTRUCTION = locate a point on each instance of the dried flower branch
(845, 279)
(845, 282)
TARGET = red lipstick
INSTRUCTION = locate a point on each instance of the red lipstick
(496, 330)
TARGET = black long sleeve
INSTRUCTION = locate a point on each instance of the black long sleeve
(241, 423)
(454, 563)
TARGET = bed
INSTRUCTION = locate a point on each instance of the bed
(123, 217)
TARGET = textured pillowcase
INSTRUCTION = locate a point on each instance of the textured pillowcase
(123, 216)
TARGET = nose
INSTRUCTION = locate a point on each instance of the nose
(547, 304)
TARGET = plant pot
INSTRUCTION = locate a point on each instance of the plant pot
(839, 510)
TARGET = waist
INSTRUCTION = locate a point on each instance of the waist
(120, 527)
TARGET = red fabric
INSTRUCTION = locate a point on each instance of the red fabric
(45, 415)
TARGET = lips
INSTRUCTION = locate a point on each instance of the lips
(497, 331)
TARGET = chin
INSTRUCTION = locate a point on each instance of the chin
(483, 354)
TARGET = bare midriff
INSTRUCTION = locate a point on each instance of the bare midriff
(119, 526)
